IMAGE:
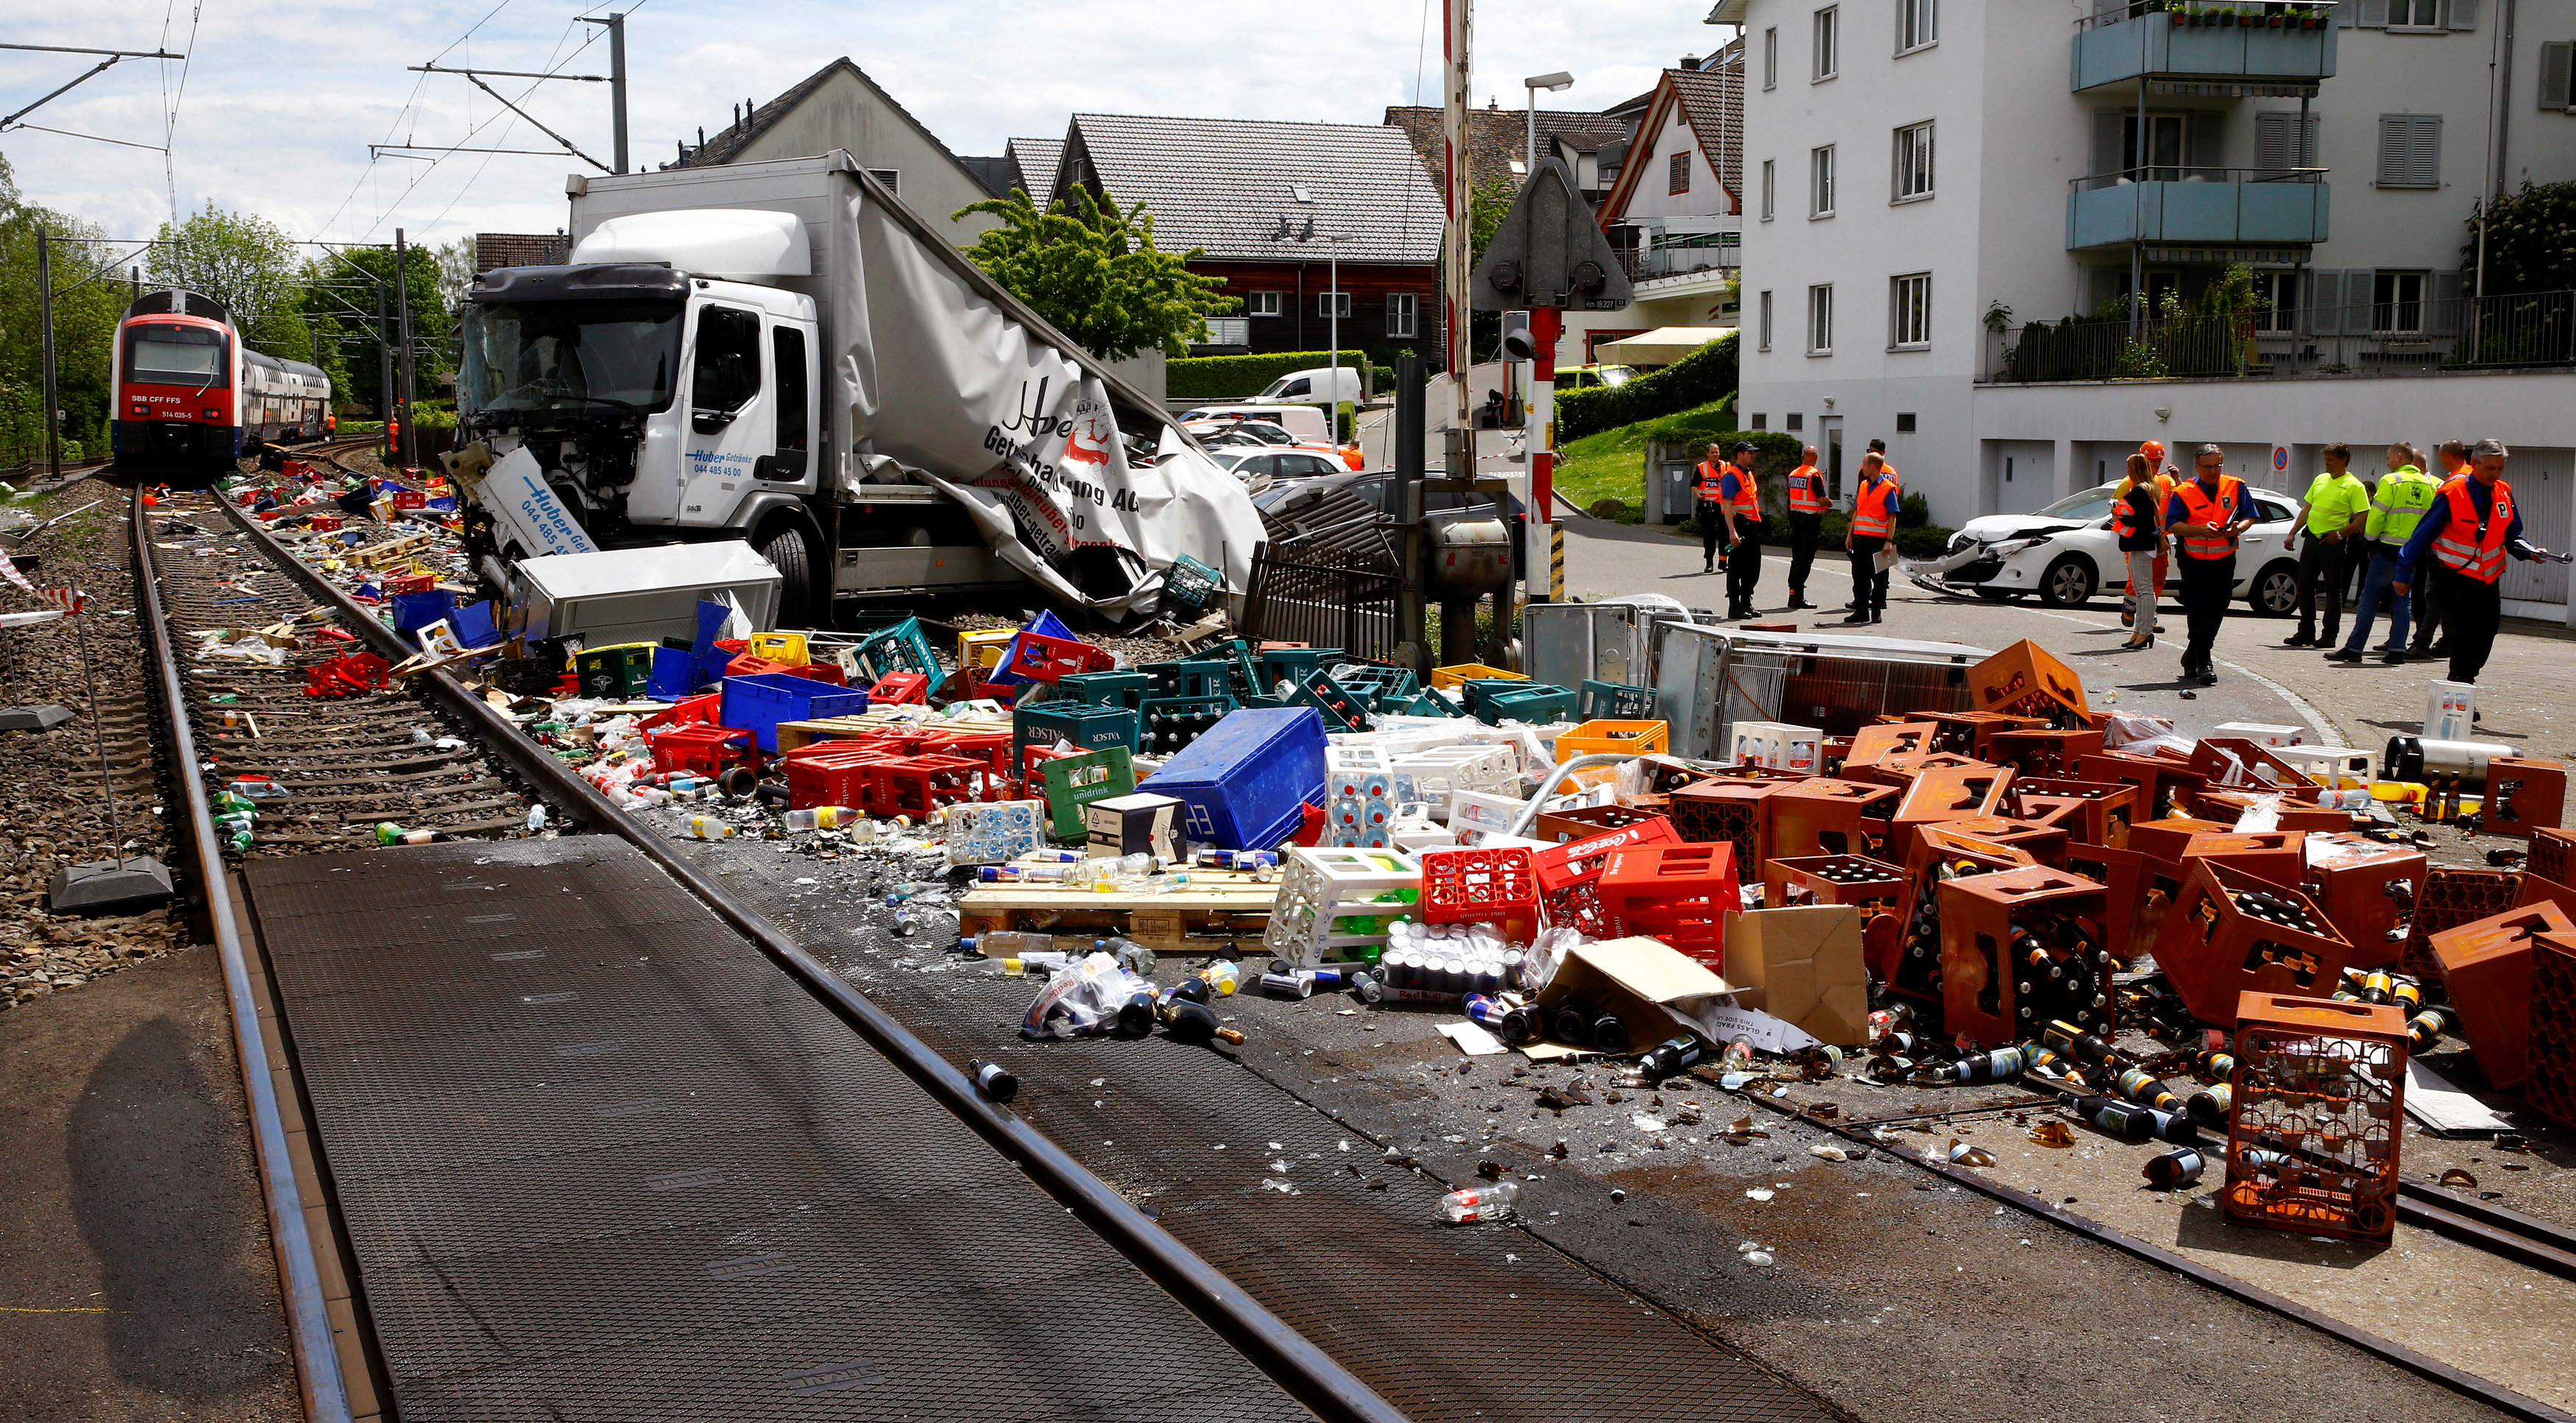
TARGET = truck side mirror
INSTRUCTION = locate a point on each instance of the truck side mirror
(707, 421)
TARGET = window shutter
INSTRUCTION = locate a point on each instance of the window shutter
(2443, 316)
(2557, 58)
(2325, 302)
(2272, 141)
(2424, 150)
(2464, 14)
(2358, 289)
(2374, 14)
(2106, 140)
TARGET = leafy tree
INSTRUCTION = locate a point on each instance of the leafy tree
(339, 301)
(246, 263)
(89, 298)
(1091, 269)
(2531, 242)
(1488, 203)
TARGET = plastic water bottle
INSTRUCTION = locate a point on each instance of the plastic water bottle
(1007, 943)
(536, 818)
(1225, 976)
(708, 827)
(1493, 1201)
(819, 817)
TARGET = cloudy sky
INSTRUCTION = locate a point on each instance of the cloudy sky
(281, 100)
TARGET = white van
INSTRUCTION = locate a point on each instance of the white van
(1322, 385)
(1306, 422)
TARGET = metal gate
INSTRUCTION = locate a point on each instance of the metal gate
(1322, 605)
(2544, 490)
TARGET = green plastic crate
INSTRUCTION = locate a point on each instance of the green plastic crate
(1073, 782)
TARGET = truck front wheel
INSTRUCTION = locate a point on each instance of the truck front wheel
(786, 551)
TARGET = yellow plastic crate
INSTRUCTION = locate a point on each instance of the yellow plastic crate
(1445, 677)
(786, 647)
(983, 650)
(1638, 738)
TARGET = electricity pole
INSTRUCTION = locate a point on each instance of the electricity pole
(1457, 74)
(616, 23)
(45, 301)
(410, 455)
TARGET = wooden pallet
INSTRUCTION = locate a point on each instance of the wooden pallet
(793, 734)
(1198, 919)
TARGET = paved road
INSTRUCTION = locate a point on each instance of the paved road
(2525, 693)
(136, 1279)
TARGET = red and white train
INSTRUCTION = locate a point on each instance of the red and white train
(187, 398)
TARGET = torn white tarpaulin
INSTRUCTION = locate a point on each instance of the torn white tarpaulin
(949, 388)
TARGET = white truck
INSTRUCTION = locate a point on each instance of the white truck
(782, 353)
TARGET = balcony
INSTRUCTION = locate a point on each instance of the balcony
(1681, 255)
(2290, 46)
(2198, 207)
(2409, 333)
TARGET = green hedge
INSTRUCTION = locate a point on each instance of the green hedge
(1704, 376)
(1231, 377)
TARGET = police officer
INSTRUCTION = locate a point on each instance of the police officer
(1742, 498)
(1873, 524)
(1709, 506)
(1807, 504)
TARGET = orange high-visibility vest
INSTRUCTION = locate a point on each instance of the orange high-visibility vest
(1873, 513)
(1748, 495)
(1806, 490)
(2200, 509)
(2481, 554)
(2124, 518)
(1711, 488)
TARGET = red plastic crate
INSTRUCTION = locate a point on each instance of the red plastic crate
(702, 748)
(917, 785)
(411, 583)
(1046, 659)
(837, 775)
(747, 665)
(699, 710)
(346, 676)
(1680, 894)
(1498, 886)
(1569, 875)
(901, 689)
(410, 499)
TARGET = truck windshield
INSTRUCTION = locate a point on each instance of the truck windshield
(571, 355)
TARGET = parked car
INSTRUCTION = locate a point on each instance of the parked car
(1306, 422)
(2067, 552)
(1593, 377)
(1254, 461)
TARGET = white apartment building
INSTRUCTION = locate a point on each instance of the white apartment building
(1928, 179)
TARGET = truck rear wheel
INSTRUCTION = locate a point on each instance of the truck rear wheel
(786, 551)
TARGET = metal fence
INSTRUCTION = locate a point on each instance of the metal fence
(1323, 604)
(1680, 256)
(2405, 334)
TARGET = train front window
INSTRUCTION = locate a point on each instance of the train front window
(570, 355)
(174, 355)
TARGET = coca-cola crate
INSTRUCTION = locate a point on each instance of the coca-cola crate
(1910, 964)
(1569, 875)
(2314, 1119)
(2021, 949)
(1482, 885)
(1047, 659)
(2368, 889)
(2487, 967)
(2230, 933)
(1972, 733)
(2158, 778)
(1680, 894)
(918, 785)
(2043, 752)
(2550, 1081)
(2523, 796)
(1728, 809)
(2452, 897)
(1827, 817)
(901, 689)
(2103, 810)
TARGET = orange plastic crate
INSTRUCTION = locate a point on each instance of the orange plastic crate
(2315, 1118)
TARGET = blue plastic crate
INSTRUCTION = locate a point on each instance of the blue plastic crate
(759, 702)
(1045, 624)
(414, 611)
(1088, 728)
(1616, 701)
(1248, 781)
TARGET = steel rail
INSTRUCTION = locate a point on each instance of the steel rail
(308, 1319)
(2488, 1392)
(1293, 1361)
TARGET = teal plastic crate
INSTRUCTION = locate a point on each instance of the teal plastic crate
(1616, 701)
(1341, 710)
(1106, 689)
(900, 648)
(1283, 664)
(1170, 724)
(1088, 728)
(1193, 677)
(1434, 702)
(1477, 691)
(1538, 706)
(1387, 688)
(1192, 585)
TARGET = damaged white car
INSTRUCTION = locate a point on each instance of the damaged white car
(2066, 553)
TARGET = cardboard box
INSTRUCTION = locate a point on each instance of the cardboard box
(1803, 966)
(1140, 823)
(1650, 985)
